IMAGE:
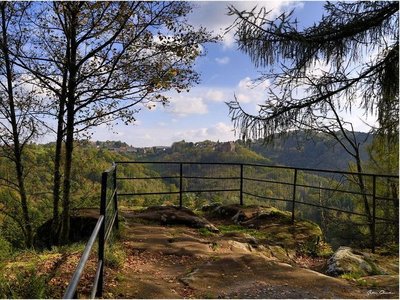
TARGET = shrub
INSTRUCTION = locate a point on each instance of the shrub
(115, 256)
(24, 284)
(5, 249)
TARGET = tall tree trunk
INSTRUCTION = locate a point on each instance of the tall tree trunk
(69, 143)
(57, 159)
(363, 190)
(69, 146)
(17, 147)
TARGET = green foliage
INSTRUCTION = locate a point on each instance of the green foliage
(12, 233)
(25, 284)
(205, 232)
(5, 248)
(352, 275)
(315, 249)
(115, 256)
(226, 229)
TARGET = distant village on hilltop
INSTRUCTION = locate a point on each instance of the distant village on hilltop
(122, 147)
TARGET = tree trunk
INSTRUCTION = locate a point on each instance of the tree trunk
(363, 191)
(57, 179)
(69, 144)
(17, 147)
(57, 159)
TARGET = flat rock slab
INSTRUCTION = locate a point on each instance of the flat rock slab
(252, 276)
(168, 240)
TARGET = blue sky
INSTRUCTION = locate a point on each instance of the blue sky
(202, 114)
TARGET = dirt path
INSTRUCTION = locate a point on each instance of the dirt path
(179, 262)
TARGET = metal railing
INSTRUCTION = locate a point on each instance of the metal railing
(102, 232)
(243, 177)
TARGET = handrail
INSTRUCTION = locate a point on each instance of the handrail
(253, 165)
(70, 292)
(102, 232)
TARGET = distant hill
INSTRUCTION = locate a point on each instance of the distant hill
(295, 150)
(319, 151)
(206, 151)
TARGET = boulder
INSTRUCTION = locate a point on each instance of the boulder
(251, 215)
(173, 215)
(346, 260)
(81, 228)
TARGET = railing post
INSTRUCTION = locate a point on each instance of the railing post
(115, 197)
(294, 193)
(241, 184)
(99, 291)
(180, 184)
(373, 233)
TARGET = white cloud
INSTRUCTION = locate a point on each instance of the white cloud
(213, 14)
(195, 102)
(247, 92)
(183, 105)
(219, 131)
(222, 60)
(216, 95)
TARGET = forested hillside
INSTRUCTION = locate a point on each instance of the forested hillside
(297, 149)
(316, 151)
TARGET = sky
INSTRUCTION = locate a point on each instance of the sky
(202, 114)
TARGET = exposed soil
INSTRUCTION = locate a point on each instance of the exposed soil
(165, 261)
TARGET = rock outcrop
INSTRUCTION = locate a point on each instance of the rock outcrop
(346, 260)
(174, 215)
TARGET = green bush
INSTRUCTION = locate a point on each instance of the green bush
(115, 256)
(25, 284)
(5, 249)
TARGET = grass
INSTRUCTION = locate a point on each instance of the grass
(25, 284)
(226, 229)
(115, 256)
(205, 232)
(31, 274)
(352, 276)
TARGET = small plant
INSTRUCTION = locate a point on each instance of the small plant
(365, 283)
(226, 229)
(115, 256)
(205, 232)
(5, 249)
(354, 276)
(215, 246)
(315, 248)
(24, 284)
(324, 250)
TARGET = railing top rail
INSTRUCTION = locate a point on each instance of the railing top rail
(69, 293)
(257, 165)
